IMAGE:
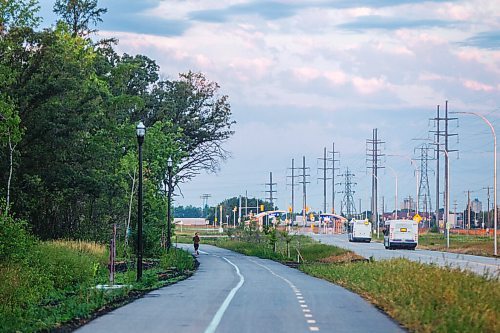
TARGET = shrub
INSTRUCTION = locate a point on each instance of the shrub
(178, 258)
(14, 239)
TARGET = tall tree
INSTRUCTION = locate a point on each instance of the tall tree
(79, 15)
(203, 117)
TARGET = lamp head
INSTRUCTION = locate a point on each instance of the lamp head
(140, 130)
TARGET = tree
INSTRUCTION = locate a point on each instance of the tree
(79, 15)
(202, 117)
(10, 136)
(18, 14)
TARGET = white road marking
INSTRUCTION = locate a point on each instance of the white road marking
(218, 315)
(203, 252)
(297, 292)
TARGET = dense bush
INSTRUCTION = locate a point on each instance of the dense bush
(14, 238)
(178, 258)
(43, 272)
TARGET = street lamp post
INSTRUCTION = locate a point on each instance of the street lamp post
(495, 213)
(169, 198)
(141, 132)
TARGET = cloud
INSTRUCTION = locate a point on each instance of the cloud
(484, 40)
(391, 23)
(269, 10)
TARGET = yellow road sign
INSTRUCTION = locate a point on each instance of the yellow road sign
(417, 218)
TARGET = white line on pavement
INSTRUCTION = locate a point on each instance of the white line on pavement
(218, 315)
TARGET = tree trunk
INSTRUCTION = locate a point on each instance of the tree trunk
(132, 190)
(11, 156)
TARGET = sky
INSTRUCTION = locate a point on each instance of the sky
(304, 74)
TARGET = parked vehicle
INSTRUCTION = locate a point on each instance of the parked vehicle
(359, 231)
(401, 234)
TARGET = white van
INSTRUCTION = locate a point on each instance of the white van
(359, 231)
(401, 234)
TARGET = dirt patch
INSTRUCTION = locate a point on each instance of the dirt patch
(343, 258)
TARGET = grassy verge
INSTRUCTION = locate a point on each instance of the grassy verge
(423, 298)
(53, 284)
(466, 244)
(309, 249)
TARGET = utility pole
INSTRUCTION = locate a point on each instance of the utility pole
(488, 209)
(333, 160)
(446, 150)
(271, 191)
(468, 210)
(437, 137)
(348, 200)
(205, 198)
(304, 183)
(374, 154)
(292, 177)
(324, 178)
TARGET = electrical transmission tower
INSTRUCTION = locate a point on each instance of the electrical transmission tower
(325, 169)
(348, 200)
(424, 192)
(304, 183)
(271, 191)
(373, 153)
(293, 184)
(438, 148)
(333, 168)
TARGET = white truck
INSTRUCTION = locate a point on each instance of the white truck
(359, 231)
(402, 234)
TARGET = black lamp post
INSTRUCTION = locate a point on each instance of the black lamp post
(169, 197)
(141, 132)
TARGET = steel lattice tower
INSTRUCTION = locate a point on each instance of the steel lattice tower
(348, 200)
(424, 192)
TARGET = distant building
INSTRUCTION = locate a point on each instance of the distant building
(190, 221)
(476, 206)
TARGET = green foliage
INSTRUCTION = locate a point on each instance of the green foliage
(178, 258)
(15, 241)
(33, 288)
(79, 14)
(422, 297)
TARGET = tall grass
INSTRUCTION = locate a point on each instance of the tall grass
(35, 284)
(422, 297)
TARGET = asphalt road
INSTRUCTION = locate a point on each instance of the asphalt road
(234, 293)
(476, 264)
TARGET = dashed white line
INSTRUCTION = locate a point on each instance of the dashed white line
(299, 296)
